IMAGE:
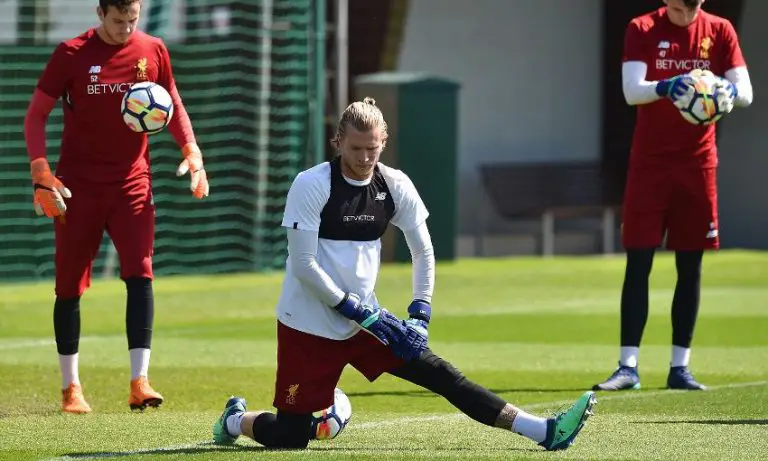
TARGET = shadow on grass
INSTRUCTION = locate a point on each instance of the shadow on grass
(192, 449)
(208, 447)
(425, 393)
(725, 422)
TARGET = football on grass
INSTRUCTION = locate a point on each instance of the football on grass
(329, 423)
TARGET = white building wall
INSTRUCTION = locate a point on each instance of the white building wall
(530, 76)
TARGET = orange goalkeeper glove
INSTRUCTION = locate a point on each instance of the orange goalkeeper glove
(193, 162)
(48, 190)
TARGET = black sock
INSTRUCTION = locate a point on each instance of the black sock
(66, 325)
(685, 304)
(139, 312)
(634, 296)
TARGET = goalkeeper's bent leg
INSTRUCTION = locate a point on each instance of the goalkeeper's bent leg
(284, 430)
(439, 376)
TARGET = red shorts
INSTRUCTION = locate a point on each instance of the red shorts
(309, 366)
(125, 211)
(680, 203)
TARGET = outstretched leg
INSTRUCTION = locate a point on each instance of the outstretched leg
(439, 376)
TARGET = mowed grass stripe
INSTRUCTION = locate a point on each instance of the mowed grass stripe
(733, 285)
(110, 352)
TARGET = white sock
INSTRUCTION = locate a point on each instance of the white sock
(69, 373)
(233, 424)
(629, 356)
(680, 356)
(527, 425)
(139, 362)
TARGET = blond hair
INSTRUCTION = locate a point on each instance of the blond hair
(363, 116)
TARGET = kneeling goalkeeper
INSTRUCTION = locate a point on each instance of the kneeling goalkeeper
(328, 315)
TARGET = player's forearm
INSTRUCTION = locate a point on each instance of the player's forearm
(34, 124)
(302, 251)
(739, 76)
(423, 256)
(180, 125)
(637, 90)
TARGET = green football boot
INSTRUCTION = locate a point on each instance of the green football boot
(220, 434)
(565, 426)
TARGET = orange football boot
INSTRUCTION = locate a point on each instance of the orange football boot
(73, 401)
(142, 395)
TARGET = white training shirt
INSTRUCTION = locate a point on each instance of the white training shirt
(347, 219)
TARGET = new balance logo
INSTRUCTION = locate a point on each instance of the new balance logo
(712, 231)
(95, 70)
(664, 44)
(381, 196)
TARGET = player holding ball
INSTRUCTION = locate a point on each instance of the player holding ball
(103, 180)
(671, 188)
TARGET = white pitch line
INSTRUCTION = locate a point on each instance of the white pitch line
(31, 343)
(405, 420)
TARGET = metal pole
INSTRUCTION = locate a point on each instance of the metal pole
(342, 56)
(262, 152)
(319, 115)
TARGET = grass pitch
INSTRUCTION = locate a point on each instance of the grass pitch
(536, 331)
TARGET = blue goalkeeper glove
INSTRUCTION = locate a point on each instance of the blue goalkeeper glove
(419, 313)
(379, 322)
(730, 88)
(727, 88)
(675, 88)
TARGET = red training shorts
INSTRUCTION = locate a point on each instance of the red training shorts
(126, 211)
(682, 203)
(309, 366)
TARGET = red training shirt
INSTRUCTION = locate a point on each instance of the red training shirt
(91, 77)
(662, 137)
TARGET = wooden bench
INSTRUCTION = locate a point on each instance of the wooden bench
(547, 191)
